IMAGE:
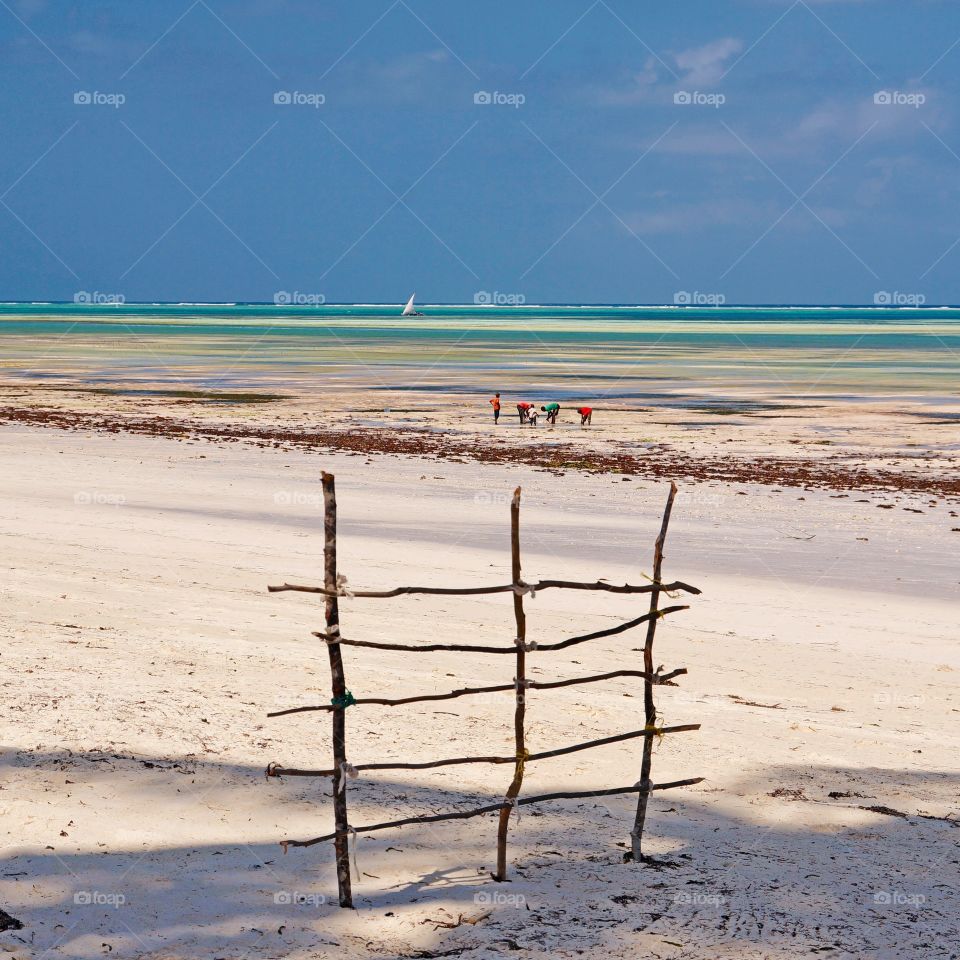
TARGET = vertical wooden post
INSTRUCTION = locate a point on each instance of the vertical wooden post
(649, 707)
(339, 686)
(513, 791)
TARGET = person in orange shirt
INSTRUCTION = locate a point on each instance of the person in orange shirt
(586, 415)
(496, 408)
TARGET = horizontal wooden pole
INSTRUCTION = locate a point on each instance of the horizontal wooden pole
(490, 808)
(473, 648)
(476, 591)
(473, 691)
(275, 771)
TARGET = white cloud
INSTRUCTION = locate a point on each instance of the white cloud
(640, 87)
(704, 66)
(696, 67)
(409, 77)
(690, 217)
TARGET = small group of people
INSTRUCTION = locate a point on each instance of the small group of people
(528, 412)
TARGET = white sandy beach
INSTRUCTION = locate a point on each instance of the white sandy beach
(141, 653)
(537, 272)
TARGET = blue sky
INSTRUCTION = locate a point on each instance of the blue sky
(780, 179)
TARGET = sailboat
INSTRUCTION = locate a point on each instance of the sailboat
(409, 310)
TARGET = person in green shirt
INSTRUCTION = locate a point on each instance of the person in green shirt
(551, 410)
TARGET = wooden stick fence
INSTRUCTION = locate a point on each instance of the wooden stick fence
(649, 707)
(335, 586)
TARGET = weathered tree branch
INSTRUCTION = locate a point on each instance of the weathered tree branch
(516, 587)
(468, 648)
(649, 707)
(276, 771)
(660, 678)
(490, 808)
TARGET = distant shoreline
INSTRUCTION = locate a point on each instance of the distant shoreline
(315, 305)
(802, 473)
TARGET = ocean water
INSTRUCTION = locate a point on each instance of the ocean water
(613, 352)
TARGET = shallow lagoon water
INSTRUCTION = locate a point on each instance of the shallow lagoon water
(574, 352)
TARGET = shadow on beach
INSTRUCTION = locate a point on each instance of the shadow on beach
(814, 873)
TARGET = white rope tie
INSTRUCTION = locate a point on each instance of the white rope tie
(342, 589)
(521, 589)
(347, 770)
(353, 836)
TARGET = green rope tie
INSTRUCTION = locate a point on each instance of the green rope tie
(347, 700)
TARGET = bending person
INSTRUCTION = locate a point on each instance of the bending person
(551, 410)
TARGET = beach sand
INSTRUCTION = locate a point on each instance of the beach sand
(142, 652)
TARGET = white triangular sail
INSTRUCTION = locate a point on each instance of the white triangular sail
(408, 310)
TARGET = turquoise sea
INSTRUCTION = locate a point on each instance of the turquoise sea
(614, 351)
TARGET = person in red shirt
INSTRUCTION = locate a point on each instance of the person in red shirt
(496, 407)
(524, 408)
(586, 415)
